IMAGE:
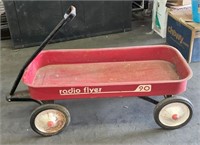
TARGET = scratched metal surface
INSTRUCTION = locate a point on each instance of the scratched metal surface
(110, 72)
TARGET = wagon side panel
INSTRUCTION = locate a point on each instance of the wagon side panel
(133, 90)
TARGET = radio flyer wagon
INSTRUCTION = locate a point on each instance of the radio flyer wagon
(105, 72)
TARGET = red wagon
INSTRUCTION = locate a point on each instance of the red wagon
(104, 72)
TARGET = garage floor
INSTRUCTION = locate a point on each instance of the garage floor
(96, 121)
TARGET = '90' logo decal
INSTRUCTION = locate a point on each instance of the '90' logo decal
(143, 88)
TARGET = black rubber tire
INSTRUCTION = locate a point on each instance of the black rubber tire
(175, 99)
(46, 107)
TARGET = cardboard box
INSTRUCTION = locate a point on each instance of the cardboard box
(159, 17)
(180, 2)
(184, 34)
(184, 2)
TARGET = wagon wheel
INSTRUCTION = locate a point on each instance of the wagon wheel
(173, 113)
(49, 119)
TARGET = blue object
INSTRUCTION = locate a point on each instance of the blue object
(196, 10)
(184, 39)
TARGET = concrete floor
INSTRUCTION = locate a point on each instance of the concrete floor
(96, 121)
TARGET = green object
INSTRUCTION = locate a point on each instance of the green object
(157, 21)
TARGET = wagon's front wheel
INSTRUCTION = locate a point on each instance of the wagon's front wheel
(49, 119)
(173, 112)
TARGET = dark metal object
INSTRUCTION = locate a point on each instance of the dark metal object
(168, 96)
(149, 100)
(5, 33)
(71, 13)
(22, 96)
(93, 18)
(13, 99)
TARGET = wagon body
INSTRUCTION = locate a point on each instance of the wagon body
(107, 72)
(140, 71)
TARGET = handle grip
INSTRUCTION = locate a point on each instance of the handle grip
(71, 13)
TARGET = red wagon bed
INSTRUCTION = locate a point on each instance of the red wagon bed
(108, 72)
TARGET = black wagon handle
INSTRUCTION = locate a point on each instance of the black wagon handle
(68, 17)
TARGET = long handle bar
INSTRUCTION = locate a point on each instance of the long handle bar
(68, 16)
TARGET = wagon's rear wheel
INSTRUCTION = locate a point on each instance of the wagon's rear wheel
(49, 119)
(173, 113)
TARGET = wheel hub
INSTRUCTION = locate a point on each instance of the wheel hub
(175, 117)
(50, 123)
